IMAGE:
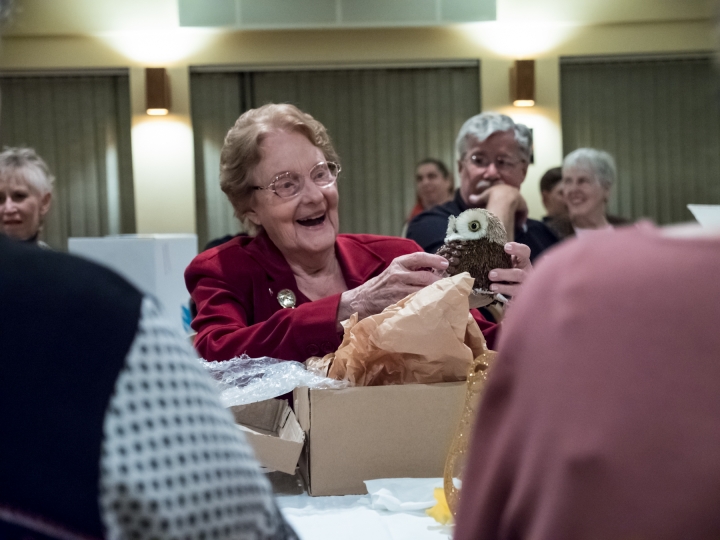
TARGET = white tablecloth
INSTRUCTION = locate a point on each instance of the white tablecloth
(352, 518)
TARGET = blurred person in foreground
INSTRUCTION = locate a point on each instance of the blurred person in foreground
(25, 194)
(110, 426)
(493, 154)
(600, 418)
(587, 178)
(284, 291)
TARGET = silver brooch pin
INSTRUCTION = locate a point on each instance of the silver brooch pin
(286, 298)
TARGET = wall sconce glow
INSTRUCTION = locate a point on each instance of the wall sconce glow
(522, 103)
(519, 39)
(157, 140)
(157, 112)
(163, 169)
(165, 46)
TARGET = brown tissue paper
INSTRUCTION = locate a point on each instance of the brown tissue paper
(428, 337)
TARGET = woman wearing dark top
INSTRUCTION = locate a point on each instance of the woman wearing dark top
(25, 194)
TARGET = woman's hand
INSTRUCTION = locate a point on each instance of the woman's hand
(405, 275)
(513, 277)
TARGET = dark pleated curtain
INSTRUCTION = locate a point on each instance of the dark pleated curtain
(80, 125)
(660, 118)
(217, 101)
(381, 121)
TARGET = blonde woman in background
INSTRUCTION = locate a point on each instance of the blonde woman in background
(25, 194)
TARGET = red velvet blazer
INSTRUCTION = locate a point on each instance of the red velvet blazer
(235, 288)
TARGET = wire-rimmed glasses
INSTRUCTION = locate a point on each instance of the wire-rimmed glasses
(502, 163)
(289, 184)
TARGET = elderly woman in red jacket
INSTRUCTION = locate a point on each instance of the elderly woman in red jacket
(283, 291)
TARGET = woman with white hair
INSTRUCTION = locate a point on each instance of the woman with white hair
(25, 194)
(587, 177)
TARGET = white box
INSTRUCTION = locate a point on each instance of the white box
(154, 263)
(707, 215)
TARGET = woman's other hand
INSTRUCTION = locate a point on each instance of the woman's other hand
(405, 275)
(508, 280)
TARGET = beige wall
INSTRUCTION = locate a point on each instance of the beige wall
(163, 148)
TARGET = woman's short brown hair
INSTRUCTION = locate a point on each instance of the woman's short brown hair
(241, 152)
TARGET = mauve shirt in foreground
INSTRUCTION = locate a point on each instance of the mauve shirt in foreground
(601, 419)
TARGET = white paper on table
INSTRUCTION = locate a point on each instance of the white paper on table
(403, 494)
(351, 517)
(414, 526)
(305, 505)
(348, 524)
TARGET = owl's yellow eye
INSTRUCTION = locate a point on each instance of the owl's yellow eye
(474, 226)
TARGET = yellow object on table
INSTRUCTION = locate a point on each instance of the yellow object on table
(441, 511)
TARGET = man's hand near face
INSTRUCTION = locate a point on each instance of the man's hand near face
(505, 202)
(494, 154)
(491, 173)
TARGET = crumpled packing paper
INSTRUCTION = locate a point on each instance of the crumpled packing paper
(403, 494)
(427, 337)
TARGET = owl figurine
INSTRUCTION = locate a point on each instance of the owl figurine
(476, 238)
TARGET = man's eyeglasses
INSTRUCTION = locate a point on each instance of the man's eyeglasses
(502, 163)
(289, 184)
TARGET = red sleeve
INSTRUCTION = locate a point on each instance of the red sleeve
(488, 329)
(288, 334)
(234, 316)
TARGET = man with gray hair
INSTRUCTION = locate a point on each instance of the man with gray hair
(493, 154)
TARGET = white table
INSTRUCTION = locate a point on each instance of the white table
(352, 518)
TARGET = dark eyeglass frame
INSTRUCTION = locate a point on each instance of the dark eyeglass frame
(271, 185)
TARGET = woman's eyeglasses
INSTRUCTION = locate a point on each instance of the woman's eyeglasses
(289, 184)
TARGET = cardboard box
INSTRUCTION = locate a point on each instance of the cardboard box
(371, 432)
(154, 263)
(273, 431)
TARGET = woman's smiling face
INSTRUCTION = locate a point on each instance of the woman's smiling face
(432, 186)
(305, 224)
(584, 195)
(22, 208)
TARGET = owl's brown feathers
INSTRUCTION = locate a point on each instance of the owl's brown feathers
(477, 257)
(475, 244)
